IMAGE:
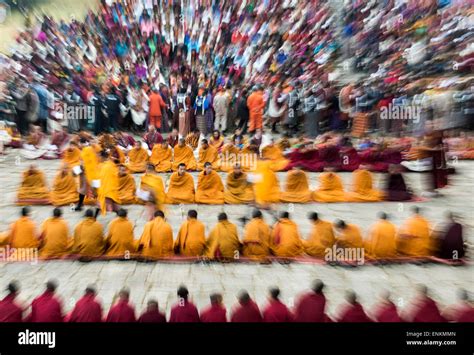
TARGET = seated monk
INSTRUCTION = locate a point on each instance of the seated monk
(330, 188)
(352, 312)
(285, 237)
(157, 238)
(216, 312)
(274, 153)
(72, 155)
(414, 237)
(181, 187)
(64, 190)
(424, 309)
(191, 240)
(256, 241)
(210, 189)
(463, 311)
(381, 243)
(311, 306)
(207, 153)
(161, 156)
(386, 311)
(88, 237)
(152, 313)
(47, 307)
(122, 311)
(449, 239)
(22, 233)
(246, 311)
(184, 311)
(126, 188)
(362, 190)
(10, 310)
(54, 236)
(223, 241)
(153, 183)
(276, 311)
(33, 189)
(238, 189)
(217, 140)
(137, 159)
(87, 308)
(229, 156)
(321, 237)
(296, 189)
(119, 241)
(183, 153)
(266, 187)
(247, 158)
(348, 235)
(396, 189)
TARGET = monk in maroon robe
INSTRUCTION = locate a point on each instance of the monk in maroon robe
(463, 312)
(311, 306)
(152, 137)
(122, 311)
(152, 314)
(350, 159)
(216, 312)
(396, 189)
(87, 309)
(425, 309)
(46, 308)
(246, 311)
(450, 240)
(386, 311)
(276, 311)
(184, 311)
(353, 312)
(9, 310)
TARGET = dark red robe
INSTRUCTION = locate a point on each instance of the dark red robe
(152, 317)
(463, 314)
(353, 313)
(121, 312)
(46, 308)
(184, 313)
(87, 310)
(277, 312)
(246, 313)
(9, 310)
(214, 314)
(387, 313)
(310, 308)
(426, 311)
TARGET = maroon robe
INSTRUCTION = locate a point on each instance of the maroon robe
(46, 308)
(184, 313)
(310, 308)
(463, 313)
(152, 317)
(426, 311)
(452, 243)
(214, 314)
(9, 310)
(353, 313)
(350, 159)
(121, 312)
(172, 141)
(277, 312)
(152, 138)
(387, 313)
(87, 310)
(246, 313)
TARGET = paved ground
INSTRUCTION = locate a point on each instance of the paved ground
(160, 280)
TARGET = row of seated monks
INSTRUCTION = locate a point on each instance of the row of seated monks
(414, 239)
(309, 307)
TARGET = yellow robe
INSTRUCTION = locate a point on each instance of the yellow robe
(238, 190)
(119, 241)
(91, 163)
(108, 184)
(381, 243)
(210, 189)
(330, 188)
(321, 238)
(72, 156)
(137, 160)
(223, 241)
(33, 189)
(275, 155)
(267, 188)
(55, 235)
(126, 190)
(184, 155)
(248, 159)
(191, 240)
(210, 155)
(154, 183)
(181, 189)
(64, 190)
(161, 158)
(256, 241)
(229, 156)
(157, 239)
(414, 237)
(362, 190)
(22, 234)
(349, 237)
(297, 188)
(88, 238)
(286, 240)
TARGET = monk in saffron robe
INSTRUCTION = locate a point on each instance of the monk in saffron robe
(257, 235)
(273, 153)
(207, 153)
(190, 240)
(311, 306)
(217, 140)
(181, 187)
(276, 311)
(425, 309)
(126, 188)
(256, 104)
(463, 312)
(362, 187)
(161, 157)
(297, 188)
(88, 237)
(347, 235)
(152, 183)
(210, 189)
(386, 311)
(184, 311)
(107, 194)
(119, 241)
(223, 240)
(183, 153)
(64, 191)
(352, 312)
(137, 159)
(238, 189)
(229, 156)
(54, 236)
(46, 308)
(152, 313)
(246, 311)
(90, 161)
(266, 187)
(122, 311)
(22, 233)
(330, 188)
(216, 312)
(72, 155)
(321, 237)
(414, 237)
(157, 238)
(87, 309)
(10, 311)
(33, 189)
(285, 237)
(382, 240)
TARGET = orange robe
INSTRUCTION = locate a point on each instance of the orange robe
(297, 188)
(157, 239)
(414, 237)
(108, 175)
(126, 190)
(349, 237)
(137, 160)
(210, 155)
(217, 143)
(180, 189)
(286, 240)
(267, 187)
(330, 188)
(72, 156)
(238, 190)
(119, 241)
(256, 241)
(22, 234)
(154, 183)
(64, 190)
(256, 104)
(381, 243)
(191, 240)
(229, 156)
(184, 155)
(362, 190)
(275, 154)
(161, 158)
(55, 236)
(321, 238)
(210, 189)
(223, 241)
(88, 238)
(91, 163)
(33, 189)
(248, 159)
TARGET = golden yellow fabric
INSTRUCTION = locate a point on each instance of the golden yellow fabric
(211, 155)
(229, 156)
(275, 154)
(414, 237)
(72, 156)
(154, 183)
(297, 188)
(91, 163)
(362, 190)
(33, 188)
(119, 241)
(321, 238)
(210, 189)
(238, 189)
(286, 240)
(191, 240)
(22, 234)
(330, 188)
(88, 238)
(126, 190)
(161, 158)
(108, 175)
(267, 187)
(256, 241)
(137, 160)
(64, 190)
(349, 237)
(223, 241)
(157, 239)
(181, 189)
(248, 159)
(184, 155)
(55, 236)
(382, 240)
